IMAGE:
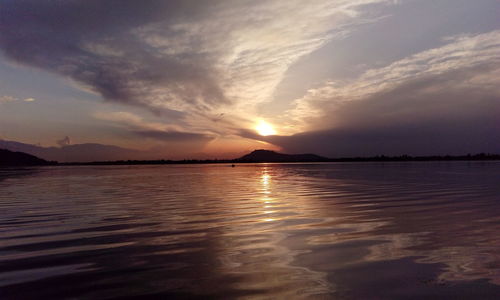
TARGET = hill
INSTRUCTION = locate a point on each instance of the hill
(10, 158)
(272, 156)
(77, 152)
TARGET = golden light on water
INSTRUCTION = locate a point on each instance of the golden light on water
(263, 128)
(265, 180)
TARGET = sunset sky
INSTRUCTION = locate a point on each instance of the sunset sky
(185, 79)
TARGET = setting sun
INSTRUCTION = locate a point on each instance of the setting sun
(255, 149)
(263, 128)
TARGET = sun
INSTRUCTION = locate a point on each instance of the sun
(263, 128)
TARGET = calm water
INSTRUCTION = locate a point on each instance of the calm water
(327, 231)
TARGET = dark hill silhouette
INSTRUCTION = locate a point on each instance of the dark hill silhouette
(10, 158)
(272, 156)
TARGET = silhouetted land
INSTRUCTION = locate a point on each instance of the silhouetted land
(271, 156)
(261, 156)
(9, 158)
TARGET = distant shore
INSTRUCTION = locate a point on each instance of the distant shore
(382, 158)
(9, 158)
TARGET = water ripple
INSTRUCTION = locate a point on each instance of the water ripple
(254, 231)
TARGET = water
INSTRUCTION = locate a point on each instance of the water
(271, 231)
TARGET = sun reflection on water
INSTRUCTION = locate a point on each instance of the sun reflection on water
(268, 262)
(266, 198)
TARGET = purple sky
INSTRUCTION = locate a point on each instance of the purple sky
(183, 79)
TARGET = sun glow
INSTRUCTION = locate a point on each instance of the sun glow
(263, 128)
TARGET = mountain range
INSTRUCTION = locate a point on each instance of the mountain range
(72, 153)
(91, 153)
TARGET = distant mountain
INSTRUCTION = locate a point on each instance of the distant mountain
(10, 158)
(73, 153)
(272, 156)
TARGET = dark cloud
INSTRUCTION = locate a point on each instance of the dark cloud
(441, 138)
(174, 136)
(93, 42)
(450, 113)
(451, 96)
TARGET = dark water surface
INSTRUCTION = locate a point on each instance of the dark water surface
(270, 231)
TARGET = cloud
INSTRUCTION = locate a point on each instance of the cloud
(440, 101)
(92, 43)
(132, 121)
(174, 136)
(6, 99)
(469, 62)
(66, 141)
(135, 125)
(174, 56)
(455, 137)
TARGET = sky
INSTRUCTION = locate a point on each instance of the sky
(205, 79)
